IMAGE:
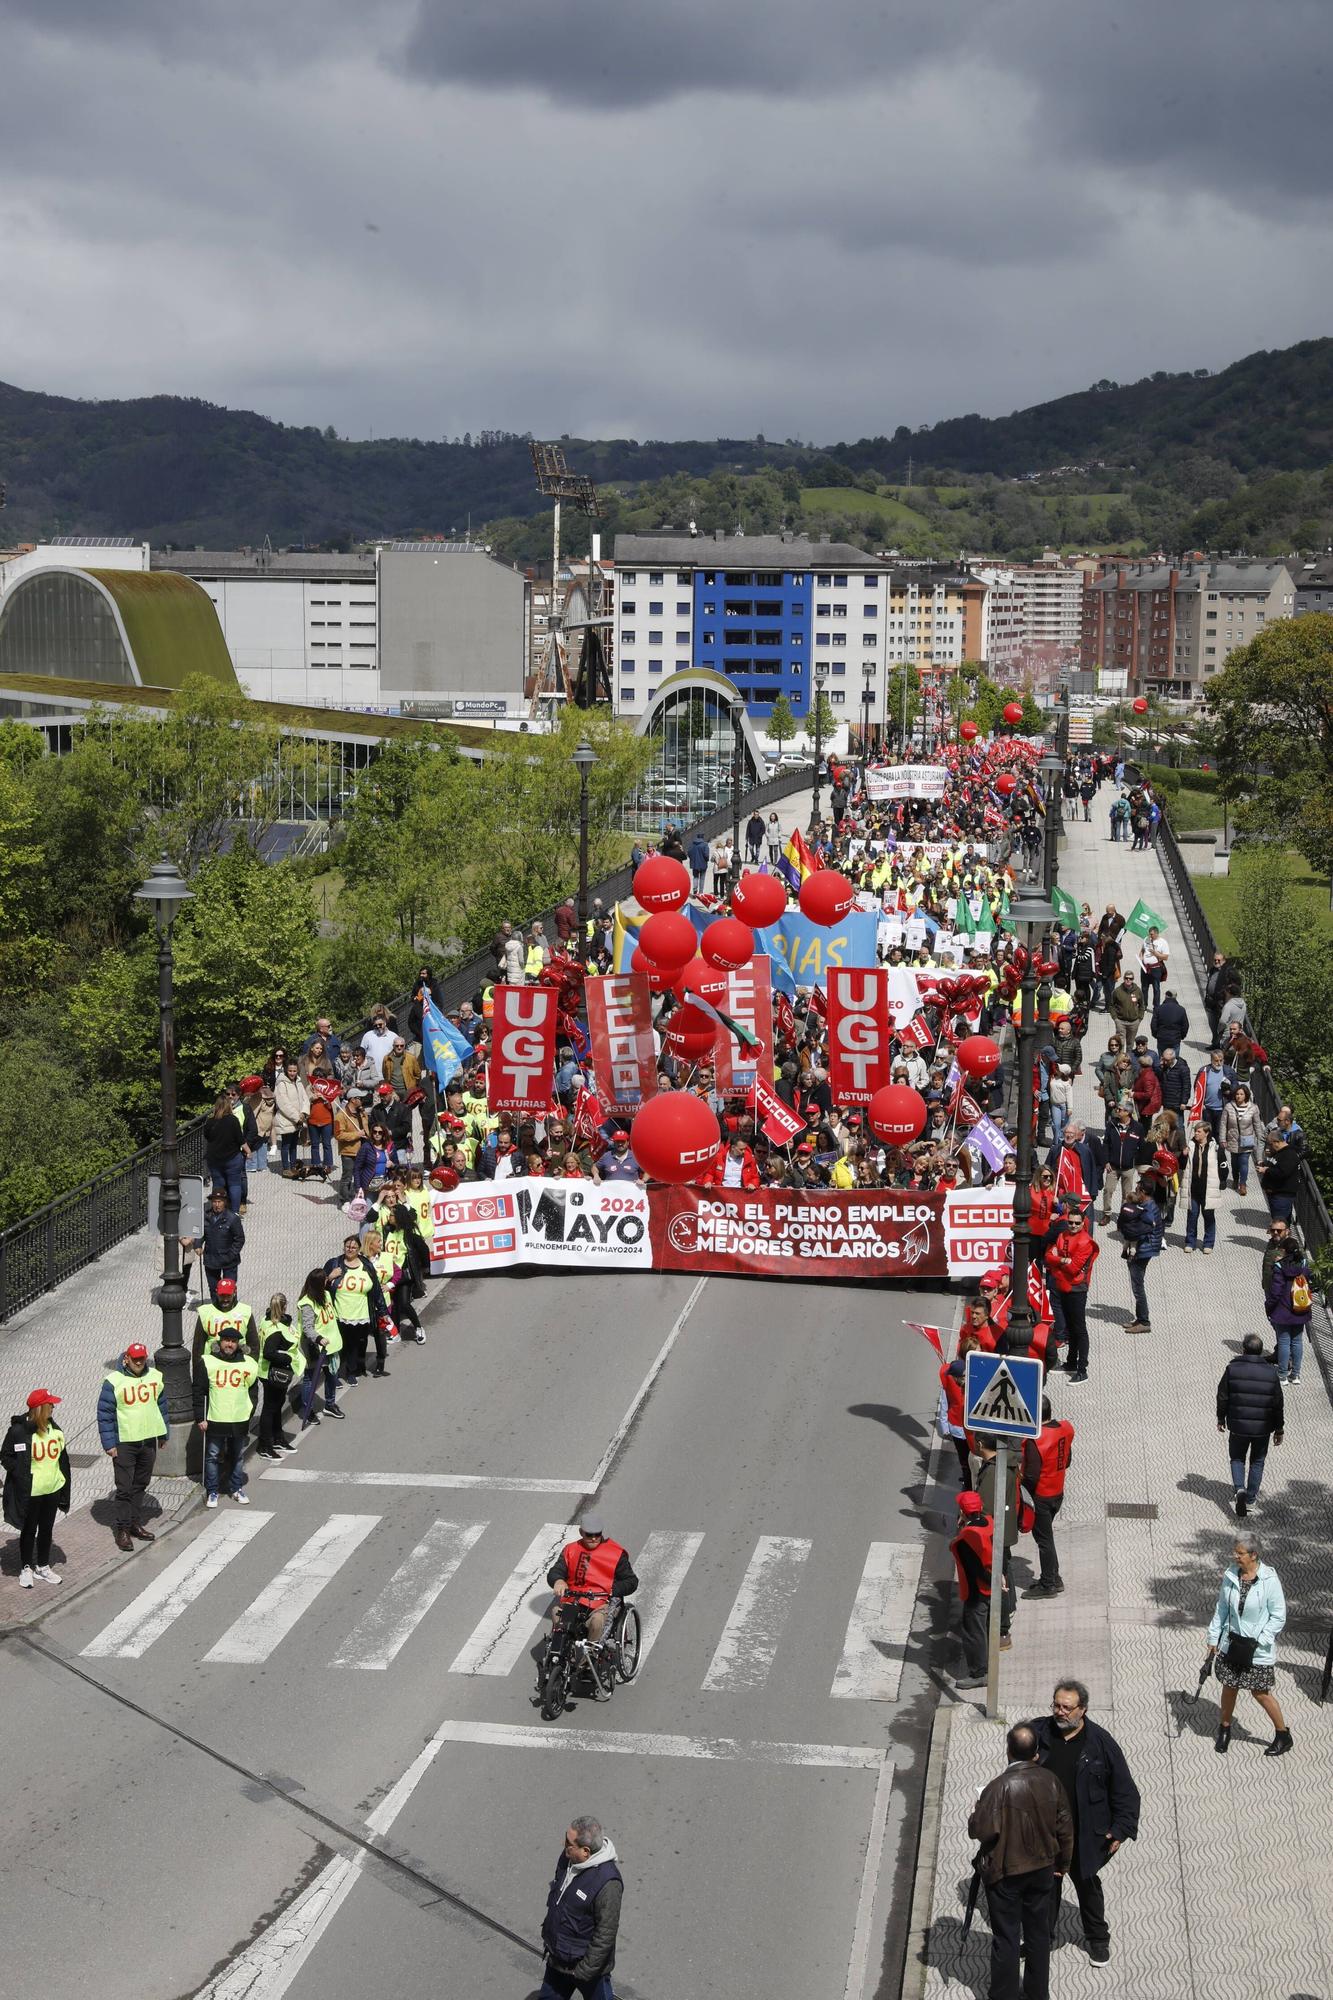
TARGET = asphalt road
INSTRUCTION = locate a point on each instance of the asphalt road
(199, 1752)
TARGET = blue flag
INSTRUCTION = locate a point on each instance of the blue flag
(446, 1048)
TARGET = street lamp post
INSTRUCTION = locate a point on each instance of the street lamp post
(584, 759)
(821, 674)
(1052, 768)
(734, 873)
(867, 702)
(166, 891)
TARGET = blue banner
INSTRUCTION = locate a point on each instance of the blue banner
(802, 952)
(445, 1047)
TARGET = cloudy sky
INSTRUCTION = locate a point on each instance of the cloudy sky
(709, 216)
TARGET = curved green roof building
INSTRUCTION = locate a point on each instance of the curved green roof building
(120, 627)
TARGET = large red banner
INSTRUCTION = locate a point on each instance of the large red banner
(789, 1232)
(858, 1029)
(748, 1002)
(620, 1028)
(522, 1065)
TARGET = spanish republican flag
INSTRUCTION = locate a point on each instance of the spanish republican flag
(797, 861)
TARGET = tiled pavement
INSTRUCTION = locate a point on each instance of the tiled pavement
(1229, 1887)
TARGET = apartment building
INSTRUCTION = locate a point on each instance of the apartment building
(1171, 626)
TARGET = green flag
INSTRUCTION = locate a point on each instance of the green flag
(1065, 906)
(964, 923)
(1141, 919)
(985, 921)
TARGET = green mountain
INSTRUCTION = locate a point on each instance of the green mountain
(174, 469)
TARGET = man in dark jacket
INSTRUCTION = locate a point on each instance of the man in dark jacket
(1026, 1829)
(222, 1241)
(1250, 1411)
(1221, 975)
(1279, 1177)
(1170, 1023)
(1102, 1797)
(1140, 1224)
(1174, 1078)
(700, 853)
(1120, 1146)
(582, 1916)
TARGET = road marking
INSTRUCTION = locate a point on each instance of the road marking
(266, 1968)
(858, 1964)
(514, 1617)
(130, 1635)
(465, 1482)
(754, 1625)
(408, 1595)
(622, 1431)
(871, 1666)
(292, 1591)
(633, 1743)
(663, 1563)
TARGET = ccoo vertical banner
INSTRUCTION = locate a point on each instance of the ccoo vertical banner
(749, 1003)
(620, 1028)
(522, 1065)
(859, 1058)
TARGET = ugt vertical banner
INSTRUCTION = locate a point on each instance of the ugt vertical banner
(749, 1003)
(620, 1028)
(522, 1065)
(858, 1015)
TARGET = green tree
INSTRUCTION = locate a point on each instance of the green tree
(902, 701)
(1273, 706)
(79, 1131)
(781, 722)
(823, 720)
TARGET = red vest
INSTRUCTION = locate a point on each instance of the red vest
(1055, 1448)
(978, 1535)
(953, 1396)
(589, 1573)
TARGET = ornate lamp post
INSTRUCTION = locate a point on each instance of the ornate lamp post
(584, 759)
(1052, 768)
(166, 891)
(1032, 917)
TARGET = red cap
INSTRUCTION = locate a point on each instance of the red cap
(40, 1396)
(384, 1090)
(999, 1277)
(226, 1288)
(136, 1351)
(970, 1503)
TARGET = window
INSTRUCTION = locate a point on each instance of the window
(769, 607)
(682, 638)
(840, 638)
(654, 576)
(823, 583)
(840, 582)
(870, 611)
(739, 576)
(708, 639)
(798, 583)
(840, 611)
(1210, 650)
(821, 639)
(362, 624)
(682, 666)
(709, 609)
(685, 576)
(710, 576)
(363, 645)
(838, 698)
(797, 639)
(869, 638)
(627, 606)
(654, 638)
(654, 666)
(654, 607)
(683, 610)
(823, 611)
(627, 638)
(840, 666)
(768, 577)
(628, 578)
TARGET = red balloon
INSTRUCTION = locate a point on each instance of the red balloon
(968, 731)
(1006, 783)
(689, 1045)
(443, 1178)
(675, 1136)
(690, 1020)
(659, 981)
(1140, 705)
(826, 897)
(1013, 712)
(759, 900)
(661, 883)
(728, 944)
(669, 940)
(896, 1114)
(978, 1056)
(701, 977)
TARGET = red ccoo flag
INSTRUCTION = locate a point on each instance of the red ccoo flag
(934, 1334)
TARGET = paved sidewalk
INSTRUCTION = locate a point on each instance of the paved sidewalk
(66, 1340)
(1228, 1888)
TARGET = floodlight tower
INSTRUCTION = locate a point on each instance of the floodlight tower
(592, 682)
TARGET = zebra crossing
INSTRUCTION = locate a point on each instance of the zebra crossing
(869, 1666)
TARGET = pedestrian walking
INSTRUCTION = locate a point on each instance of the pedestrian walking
(1198, 1169)
(1280, 1174)
(773, 835)
(1241, 1133)
(1290, 1305)
(1121, 1147)
(281, 1366)
(222, 1241)
(699, 854)
(971, 1549)
(131, 1423)
(1103, 1801)
(36, 1468)
(1026, 1830)
(1069, 1261)
(224, 1399)
(1140, 1224)
(582, 1918)
(1242, 1641)
(1046, 1460)
(1250, 1412)
(1154, 953)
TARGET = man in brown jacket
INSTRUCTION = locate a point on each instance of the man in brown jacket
(1023, 1822)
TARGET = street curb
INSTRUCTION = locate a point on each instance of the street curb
(916, 1967)
(192, 1504)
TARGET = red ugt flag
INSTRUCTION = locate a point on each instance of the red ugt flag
(858, 1018)
(522, 1066)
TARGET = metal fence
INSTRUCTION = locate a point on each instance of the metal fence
(73, 1231)
(1312, 1216)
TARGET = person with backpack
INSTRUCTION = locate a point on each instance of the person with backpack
(1141, 1228)
(1290, 1306)
(1084, 971)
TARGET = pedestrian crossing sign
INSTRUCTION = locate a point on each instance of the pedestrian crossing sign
(1002, 1394)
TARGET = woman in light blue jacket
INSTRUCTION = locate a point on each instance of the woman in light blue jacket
(1251, 1608)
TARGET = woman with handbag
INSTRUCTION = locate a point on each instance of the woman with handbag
(1251, 1611)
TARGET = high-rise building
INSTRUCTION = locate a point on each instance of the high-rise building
(1171, 626)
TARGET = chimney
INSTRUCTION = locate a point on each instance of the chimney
(719, 534)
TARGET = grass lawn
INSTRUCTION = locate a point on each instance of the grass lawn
(1221, 894)
(851, 500)
(1195, 812)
